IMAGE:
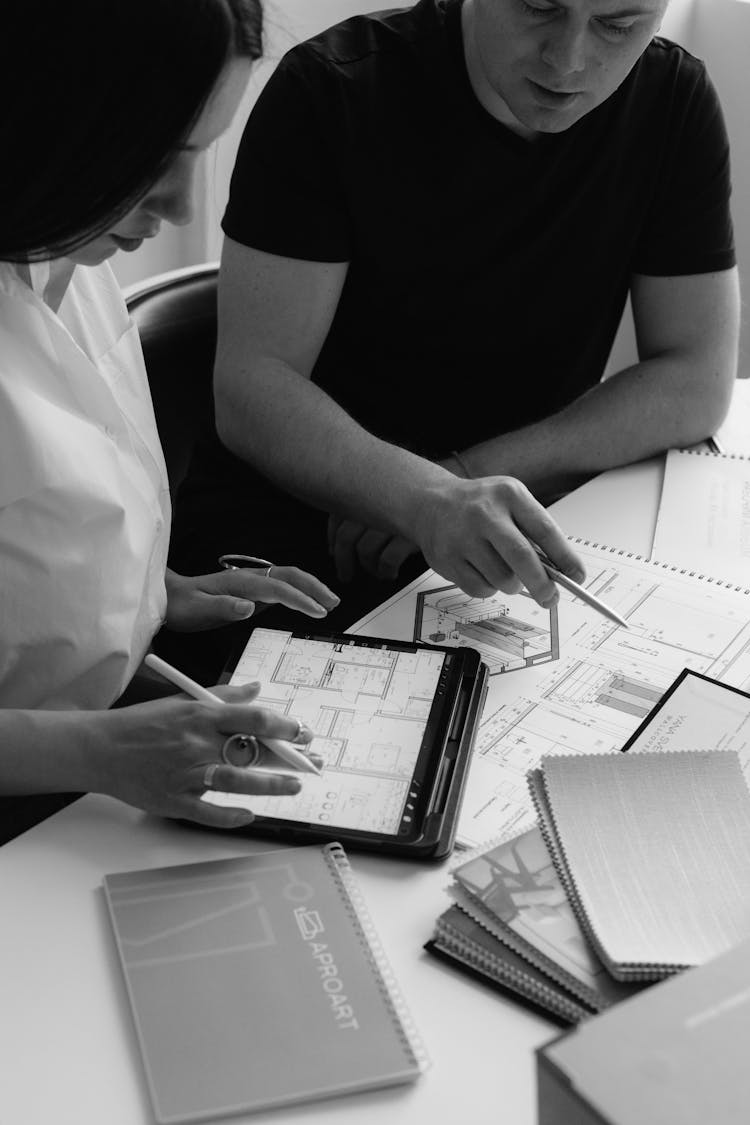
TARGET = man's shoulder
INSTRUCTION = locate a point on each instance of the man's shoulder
(364, 39)
(665, 61)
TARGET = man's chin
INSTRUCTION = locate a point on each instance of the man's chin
(541, 120)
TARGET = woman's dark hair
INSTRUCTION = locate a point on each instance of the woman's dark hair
(94, 97)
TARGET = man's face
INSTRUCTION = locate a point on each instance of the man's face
(552, 61)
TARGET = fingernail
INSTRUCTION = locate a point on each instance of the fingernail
(293, 787)
(304, 734)
(550, 602)
(242, 607)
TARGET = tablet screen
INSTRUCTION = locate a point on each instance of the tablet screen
(369, 707)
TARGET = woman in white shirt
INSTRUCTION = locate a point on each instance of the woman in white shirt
(106, 109)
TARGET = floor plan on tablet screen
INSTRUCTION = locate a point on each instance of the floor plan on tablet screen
(368, 708)
(594, 682)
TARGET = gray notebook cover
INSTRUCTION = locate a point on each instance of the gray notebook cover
(257, 981)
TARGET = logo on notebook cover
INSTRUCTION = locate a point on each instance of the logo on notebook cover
(309, 923)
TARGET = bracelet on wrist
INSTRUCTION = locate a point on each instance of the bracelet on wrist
(461, 464)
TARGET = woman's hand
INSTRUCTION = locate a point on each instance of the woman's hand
(208, 600)
(155, 755)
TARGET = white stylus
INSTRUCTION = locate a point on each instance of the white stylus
(285, 750)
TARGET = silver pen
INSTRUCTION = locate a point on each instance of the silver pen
(579, 591)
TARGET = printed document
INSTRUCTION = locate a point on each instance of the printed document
(704, 515)
(567, 679)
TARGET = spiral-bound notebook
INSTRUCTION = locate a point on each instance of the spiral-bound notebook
(704, 513)
(566, 679)
(653, 850)
(256, 982)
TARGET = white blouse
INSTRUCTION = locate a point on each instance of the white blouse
(84, 497)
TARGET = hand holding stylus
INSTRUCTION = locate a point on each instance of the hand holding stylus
(285, 750)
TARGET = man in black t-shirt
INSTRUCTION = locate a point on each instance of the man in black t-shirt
(435, 220)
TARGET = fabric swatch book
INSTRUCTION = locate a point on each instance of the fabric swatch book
(653, 850)
(513, 890)
(256, 982)
(463, 941)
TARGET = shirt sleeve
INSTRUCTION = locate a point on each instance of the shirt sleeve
(286, 194)
(689, 229)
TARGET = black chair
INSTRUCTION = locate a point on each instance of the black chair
(176, 319)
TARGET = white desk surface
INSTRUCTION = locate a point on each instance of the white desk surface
(68, 1053)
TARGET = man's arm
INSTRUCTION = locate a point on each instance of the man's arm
(274, 314)
(678, 393)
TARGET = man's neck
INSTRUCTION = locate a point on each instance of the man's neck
(488, 98)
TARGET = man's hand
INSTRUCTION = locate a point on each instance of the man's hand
(380, 553)
(209, 600)
(480, 535)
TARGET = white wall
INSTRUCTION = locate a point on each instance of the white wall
(717, 31)
(721, 36)
(678, 21)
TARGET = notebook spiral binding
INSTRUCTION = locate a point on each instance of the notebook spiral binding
(357, 909)
(716, 454)
(483, 917)
(481, 914)
(657, 564)
(510, 976)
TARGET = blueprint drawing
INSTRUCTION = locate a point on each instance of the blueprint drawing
(595, 682)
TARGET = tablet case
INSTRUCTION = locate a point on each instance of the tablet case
(433, 837)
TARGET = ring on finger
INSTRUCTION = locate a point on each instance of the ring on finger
(246, 562)
(241, 750)
(208, 775)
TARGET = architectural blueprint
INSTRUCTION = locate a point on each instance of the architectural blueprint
(595, 683)
(368, 708)
(508, 633)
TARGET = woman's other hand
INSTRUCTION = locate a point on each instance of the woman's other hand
(155, 755)
(208, 600)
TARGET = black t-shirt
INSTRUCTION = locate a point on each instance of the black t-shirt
(488, 273)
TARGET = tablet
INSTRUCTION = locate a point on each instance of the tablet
(394, 722)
